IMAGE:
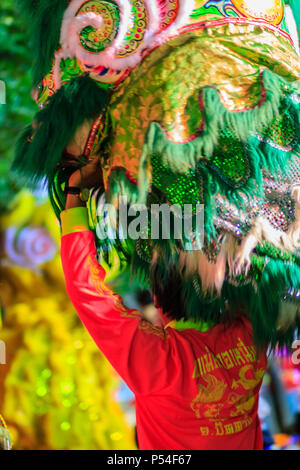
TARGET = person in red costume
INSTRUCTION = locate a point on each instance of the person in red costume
(196, 386)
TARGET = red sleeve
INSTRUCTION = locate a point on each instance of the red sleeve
(141, 353)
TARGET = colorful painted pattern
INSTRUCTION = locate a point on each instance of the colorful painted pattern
(271, 11)
(108, 39)
(202, 106)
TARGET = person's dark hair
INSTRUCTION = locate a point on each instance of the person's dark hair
(144, 297)
(172, 296)
(167, 288)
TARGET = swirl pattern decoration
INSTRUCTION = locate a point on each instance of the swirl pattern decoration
(108, 37)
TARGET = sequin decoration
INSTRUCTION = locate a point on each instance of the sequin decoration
(173, 189)
(97, 40)
(230, 160)
(277, 206)
(267, 249)
(211, 250)
(178, 189)
(282, 132)
(143, 249)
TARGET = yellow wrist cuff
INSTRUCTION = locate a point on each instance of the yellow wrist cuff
(74, 220)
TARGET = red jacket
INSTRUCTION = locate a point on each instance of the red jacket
(193, 390)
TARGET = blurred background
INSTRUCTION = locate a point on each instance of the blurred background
(57, 391)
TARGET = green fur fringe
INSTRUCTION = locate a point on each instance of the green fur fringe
(217, 118)
(44, 20)
(119, 184)
(56, 124)
(259, 300)
(270, 277)
(198, 154)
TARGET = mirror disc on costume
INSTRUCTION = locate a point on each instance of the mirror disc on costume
(268, 10)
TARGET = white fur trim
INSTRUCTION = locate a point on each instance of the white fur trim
(292, 27)
(72, 25)
(236, 255)
(153, 16)
(295, 190)
(212, 275)
(186, 7)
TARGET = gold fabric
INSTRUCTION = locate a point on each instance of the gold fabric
(165, 88)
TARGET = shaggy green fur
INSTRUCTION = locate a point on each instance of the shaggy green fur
(120, 185)
(217, 117)
(56, 124)
(271, 275)
(199, 153)
(260, 299)
(44, 18)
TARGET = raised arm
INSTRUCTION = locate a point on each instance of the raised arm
(141, 353)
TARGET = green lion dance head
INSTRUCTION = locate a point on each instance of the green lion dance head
(185, 102)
